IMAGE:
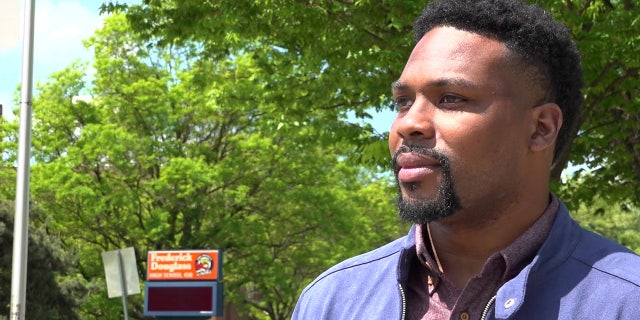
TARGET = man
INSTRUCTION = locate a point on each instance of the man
(485, 103)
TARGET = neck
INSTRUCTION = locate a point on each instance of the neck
(462, 248)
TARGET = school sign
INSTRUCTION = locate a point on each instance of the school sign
(184, 283)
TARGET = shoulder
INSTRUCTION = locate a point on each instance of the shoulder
(373, 261)
(365, 285)
(571, 247)
(577, 274)
(601, 273)
(608, 259)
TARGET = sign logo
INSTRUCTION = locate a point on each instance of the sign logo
(204, 264)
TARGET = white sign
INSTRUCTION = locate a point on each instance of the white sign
(121, 271)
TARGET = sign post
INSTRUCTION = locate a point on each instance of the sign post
(121, 274)
(123, 285)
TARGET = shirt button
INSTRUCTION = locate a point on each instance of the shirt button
(464, 316)
(509, 303)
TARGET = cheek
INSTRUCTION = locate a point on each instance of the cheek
(476, 134)
(462, 135)
(485, 156)
(476, 146)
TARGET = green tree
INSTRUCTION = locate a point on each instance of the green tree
(54, 289)
(359, 47)
(607, 142)
(179, 151)
(335, 57)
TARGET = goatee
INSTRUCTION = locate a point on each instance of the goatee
(422, 211)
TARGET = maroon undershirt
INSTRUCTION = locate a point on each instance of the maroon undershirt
(430, 295)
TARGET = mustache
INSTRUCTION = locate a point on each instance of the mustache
(429, 152)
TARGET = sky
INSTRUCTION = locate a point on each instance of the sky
(60, 28)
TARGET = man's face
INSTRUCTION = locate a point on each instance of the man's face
(460, 138)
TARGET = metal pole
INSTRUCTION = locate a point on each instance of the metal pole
(21, 223)
(123, 285)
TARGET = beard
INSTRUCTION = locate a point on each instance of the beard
(423, 211)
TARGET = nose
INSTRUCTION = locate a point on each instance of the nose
(416, 123)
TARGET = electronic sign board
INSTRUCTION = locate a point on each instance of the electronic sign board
(183, 298)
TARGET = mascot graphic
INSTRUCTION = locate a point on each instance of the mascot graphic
(204, 264)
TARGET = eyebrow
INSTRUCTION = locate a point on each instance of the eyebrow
(397, 85)
(437, 83)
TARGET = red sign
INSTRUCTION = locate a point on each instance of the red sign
(183, 265)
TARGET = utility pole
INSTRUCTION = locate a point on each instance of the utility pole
(21, 222)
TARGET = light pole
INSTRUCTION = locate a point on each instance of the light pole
(21, 222)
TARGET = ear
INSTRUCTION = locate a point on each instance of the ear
(546, 120)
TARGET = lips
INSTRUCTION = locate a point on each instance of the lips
(412, 167)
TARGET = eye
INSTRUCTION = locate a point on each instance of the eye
(401, 103)
(450, 100)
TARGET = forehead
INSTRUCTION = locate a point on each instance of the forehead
(450, 53)
(451, 44)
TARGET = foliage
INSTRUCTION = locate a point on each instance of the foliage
(338, 57)
(607, 144)
(360, 47)
(175, 151)
(54, 290)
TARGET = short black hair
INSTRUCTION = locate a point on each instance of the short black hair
(531, 33)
